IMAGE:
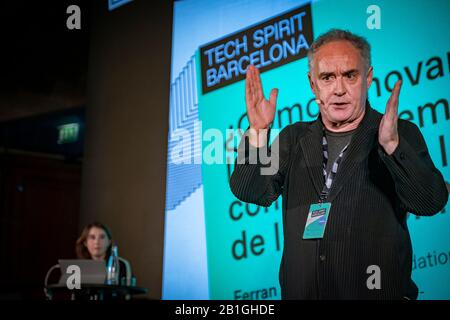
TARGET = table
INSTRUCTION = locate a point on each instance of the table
(97, 291)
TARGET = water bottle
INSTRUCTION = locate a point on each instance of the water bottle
(113, 267)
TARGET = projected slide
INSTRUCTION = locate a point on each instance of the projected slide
(217, 247)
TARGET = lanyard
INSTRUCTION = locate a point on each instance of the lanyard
(334, 168)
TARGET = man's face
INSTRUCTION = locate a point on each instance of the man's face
(340, 81)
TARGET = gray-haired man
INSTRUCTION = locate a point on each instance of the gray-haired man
(347, 179)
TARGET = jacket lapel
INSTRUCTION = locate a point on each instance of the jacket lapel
(365, 137)
(361, 144)
(311, 145)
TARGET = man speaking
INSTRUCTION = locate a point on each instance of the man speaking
(348, 180)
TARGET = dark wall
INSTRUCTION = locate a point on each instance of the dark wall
(124, 166)
(44, 64)
(39, 215)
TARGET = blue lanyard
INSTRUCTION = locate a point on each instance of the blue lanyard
(329, 178)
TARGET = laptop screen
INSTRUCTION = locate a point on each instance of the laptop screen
(92, 271)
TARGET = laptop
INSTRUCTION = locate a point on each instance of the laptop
(92, 271)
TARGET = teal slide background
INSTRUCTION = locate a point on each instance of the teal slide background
(411, 34)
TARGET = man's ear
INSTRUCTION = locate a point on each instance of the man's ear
(311, 83)
(369, 77)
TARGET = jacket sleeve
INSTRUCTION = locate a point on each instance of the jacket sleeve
(420, 187)
(255, 179)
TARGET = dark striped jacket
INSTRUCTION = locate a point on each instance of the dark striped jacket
(371, 196)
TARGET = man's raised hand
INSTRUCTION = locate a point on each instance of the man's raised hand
(260, 111)
(388, 133)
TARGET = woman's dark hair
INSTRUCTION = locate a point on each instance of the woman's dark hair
(80, 248)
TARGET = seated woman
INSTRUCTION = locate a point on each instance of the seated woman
(95, 243)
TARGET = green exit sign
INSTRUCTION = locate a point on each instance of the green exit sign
(68, 133)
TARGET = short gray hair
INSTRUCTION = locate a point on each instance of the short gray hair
(358, 42)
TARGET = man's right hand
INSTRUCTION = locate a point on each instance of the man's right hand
(260, 111)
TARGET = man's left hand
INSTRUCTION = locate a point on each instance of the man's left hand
(388, 133)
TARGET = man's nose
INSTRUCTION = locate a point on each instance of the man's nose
(340, 87)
